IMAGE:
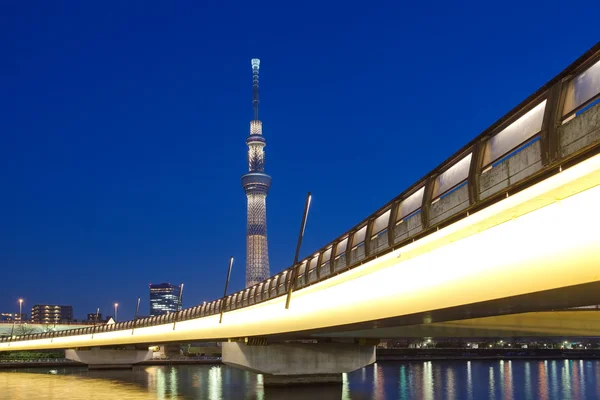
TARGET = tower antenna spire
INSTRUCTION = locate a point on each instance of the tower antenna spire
(255, 67)
(256, 184)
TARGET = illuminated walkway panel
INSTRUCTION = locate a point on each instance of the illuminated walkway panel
(539, 239)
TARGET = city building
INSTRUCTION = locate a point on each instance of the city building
(46, 313)
(10, 317)
(164, 298)
(256, 184)
(93, 317)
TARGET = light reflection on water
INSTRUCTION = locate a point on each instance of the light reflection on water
(554, 379)
(26, 386)
(469, 382)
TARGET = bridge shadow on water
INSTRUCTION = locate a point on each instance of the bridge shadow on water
(304, 392)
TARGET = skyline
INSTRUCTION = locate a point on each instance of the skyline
(105, 172)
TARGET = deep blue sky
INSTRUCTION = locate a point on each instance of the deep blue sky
(123, 126)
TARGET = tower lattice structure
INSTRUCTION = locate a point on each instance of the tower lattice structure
(256, 185)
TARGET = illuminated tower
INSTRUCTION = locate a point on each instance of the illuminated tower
(256, 185)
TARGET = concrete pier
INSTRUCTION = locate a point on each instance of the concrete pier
(299, 363)
(97, 358)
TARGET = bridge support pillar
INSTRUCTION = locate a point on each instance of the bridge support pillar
(298, 363)
(97, 358)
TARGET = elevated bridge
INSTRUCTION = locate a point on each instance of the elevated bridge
(506, 226)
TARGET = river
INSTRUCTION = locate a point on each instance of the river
(519, 379)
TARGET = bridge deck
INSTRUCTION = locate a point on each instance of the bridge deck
(540, 239)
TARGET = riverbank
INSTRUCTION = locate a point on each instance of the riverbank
(62, 363)
(485, 354)
(383, 355)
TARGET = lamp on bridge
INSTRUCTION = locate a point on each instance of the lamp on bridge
(295, 267)
(21, 311)
(116, 311)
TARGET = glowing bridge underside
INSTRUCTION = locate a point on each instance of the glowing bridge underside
(537, 250)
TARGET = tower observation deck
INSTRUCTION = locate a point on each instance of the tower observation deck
(256, 185)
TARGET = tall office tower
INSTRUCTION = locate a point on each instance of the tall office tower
(164, 299)
(256, 185)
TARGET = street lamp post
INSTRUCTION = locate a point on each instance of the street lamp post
(137, 310)
(21, 311)
(177, 313)
(225, 292)
(116, 311)
(295, 267)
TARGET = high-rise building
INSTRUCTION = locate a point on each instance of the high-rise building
(256, 185)
(164, 298)
(46, 313)
(93, 317)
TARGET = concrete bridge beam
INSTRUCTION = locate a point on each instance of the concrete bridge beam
(97, 358)
(298, 363)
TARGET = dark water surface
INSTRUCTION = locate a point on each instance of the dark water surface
(552, 379)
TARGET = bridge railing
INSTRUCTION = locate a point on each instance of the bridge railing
(556, 127)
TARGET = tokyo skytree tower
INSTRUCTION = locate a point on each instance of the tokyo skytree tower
(256, 185)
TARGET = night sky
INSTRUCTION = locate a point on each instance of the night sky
(123, 127)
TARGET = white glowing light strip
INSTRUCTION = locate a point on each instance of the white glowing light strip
(516, 133)
(411, 203)
(541, 238)
(452, 176)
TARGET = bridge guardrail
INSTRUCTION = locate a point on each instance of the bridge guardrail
(556, 126)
